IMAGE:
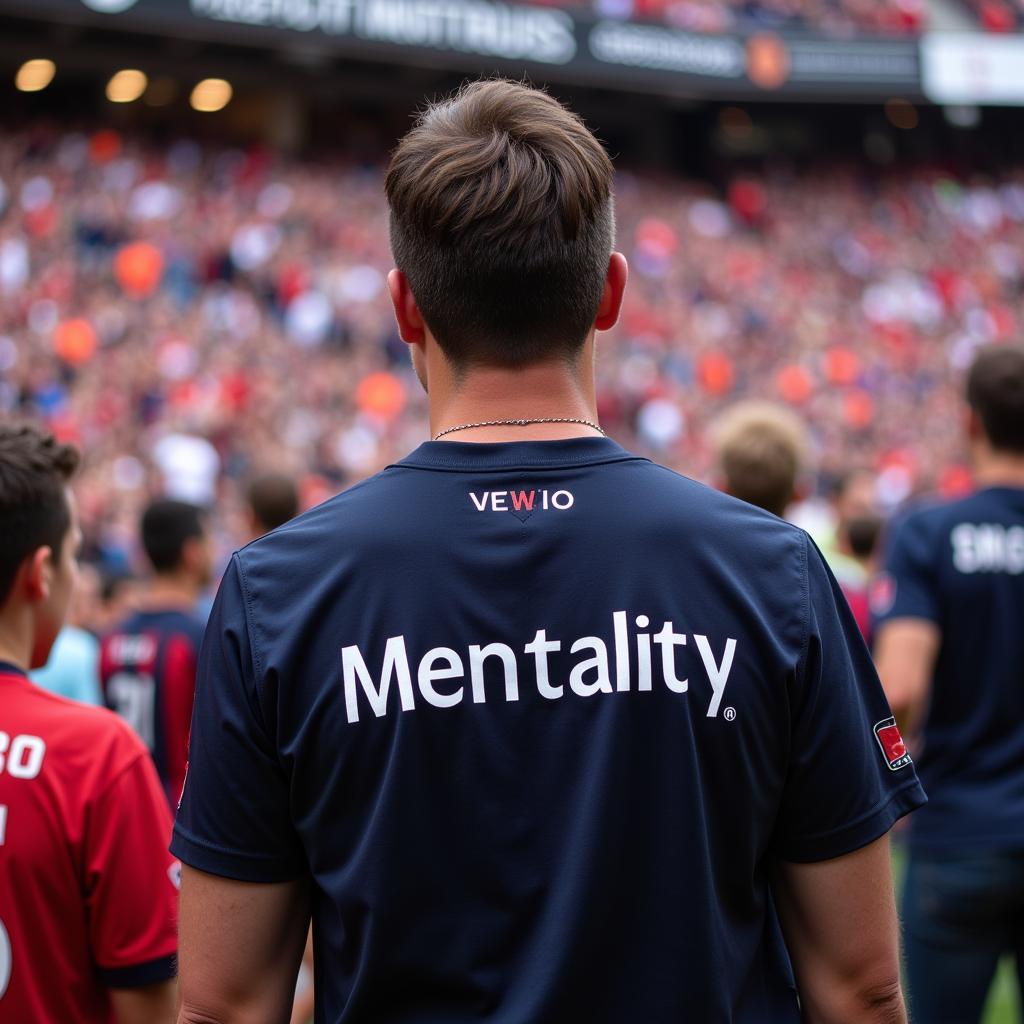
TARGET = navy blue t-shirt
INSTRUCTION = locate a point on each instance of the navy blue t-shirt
(537, 718)
(960, 565)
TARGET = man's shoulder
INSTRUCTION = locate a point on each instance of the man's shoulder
(353, 505)
(930, 519)
(719, 517)
(137, 638)
(924, 517)
(352, 521)
(76, 728)
(702, 494)
(157, 619)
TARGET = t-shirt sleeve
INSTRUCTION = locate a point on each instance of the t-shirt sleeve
(850, 777)
(908, 587)
(234, 817)
(131, 881)
(179, 697)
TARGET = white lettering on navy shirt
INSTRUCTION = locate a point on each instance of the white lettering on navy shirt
(591, 674)
(521, 500)
(988, 547)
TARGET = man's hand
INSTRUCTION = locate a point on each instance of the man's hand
(240, 947)
(905, 653)
(839, 920)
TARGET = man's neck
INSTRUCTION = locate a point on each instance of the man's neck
(170, 592)
(999, 469)
(542, 392)
(15, 639)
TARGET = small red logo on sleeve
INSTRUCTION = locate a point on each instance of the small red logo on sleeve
(894, 750)
(882, 593)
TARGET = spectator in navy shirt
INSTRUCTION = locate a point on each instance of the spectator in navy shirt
(950, 647)
(148, 661)
(536, 730)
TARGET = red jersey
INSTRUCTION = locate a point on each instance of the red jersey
(88, 891)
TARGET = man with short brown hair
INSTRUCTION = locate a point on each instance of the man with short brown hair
(949, 650)
(539, 732)
(273, 499)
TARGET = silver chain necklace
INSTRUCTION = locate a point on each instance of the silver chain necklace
(520, 423)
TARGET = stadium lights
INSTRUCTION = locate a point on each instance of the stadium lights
(210, 95)
(34, 75)
(126, 86)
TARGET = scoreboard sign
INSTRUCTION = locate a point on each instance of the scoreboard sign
(485, 35)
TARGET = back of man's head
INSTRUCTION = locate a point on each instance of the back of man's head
(273, 500)
(502, 222)
(995, 391)
(167, 527)
(761, 451)
(34, 511)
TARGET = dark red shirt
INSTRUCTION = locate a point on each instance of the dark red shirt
(88, 891)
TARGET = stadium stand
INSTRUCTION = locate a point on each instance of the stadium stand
(829, 17)
(180, 310)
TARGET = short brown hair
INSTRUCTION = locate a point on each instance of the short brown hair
(274, 499)
(34, 513)
(995, 391)
(502, 222)
(166, 526)
(762, 450)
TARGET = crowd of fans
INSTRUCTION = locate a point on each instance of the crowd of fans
(195, 317)
(840, 18)
(998, 15)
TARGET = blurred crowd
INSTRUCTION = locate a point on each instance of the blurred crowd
(839, 18)
(194, 317)
(998, 15)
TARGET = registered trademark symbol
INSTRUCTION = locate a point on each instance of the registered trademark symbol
(730, 714)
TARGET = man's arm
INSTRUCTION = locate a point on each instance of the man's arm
(149, 1004)
(240, 948)
(905, 652)
(839, 920)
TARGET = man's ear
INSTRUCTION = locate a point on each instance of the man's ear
(36, 574)
(407, 313)
(614, 289)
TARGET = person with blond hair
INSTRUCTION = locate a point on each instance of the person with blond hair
(761, 452)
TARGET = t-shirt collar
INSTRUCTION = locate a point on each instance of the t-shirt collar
(7, 669)
(515, 454)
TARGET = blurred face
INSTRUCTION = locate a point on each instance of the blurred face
(60, 575)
